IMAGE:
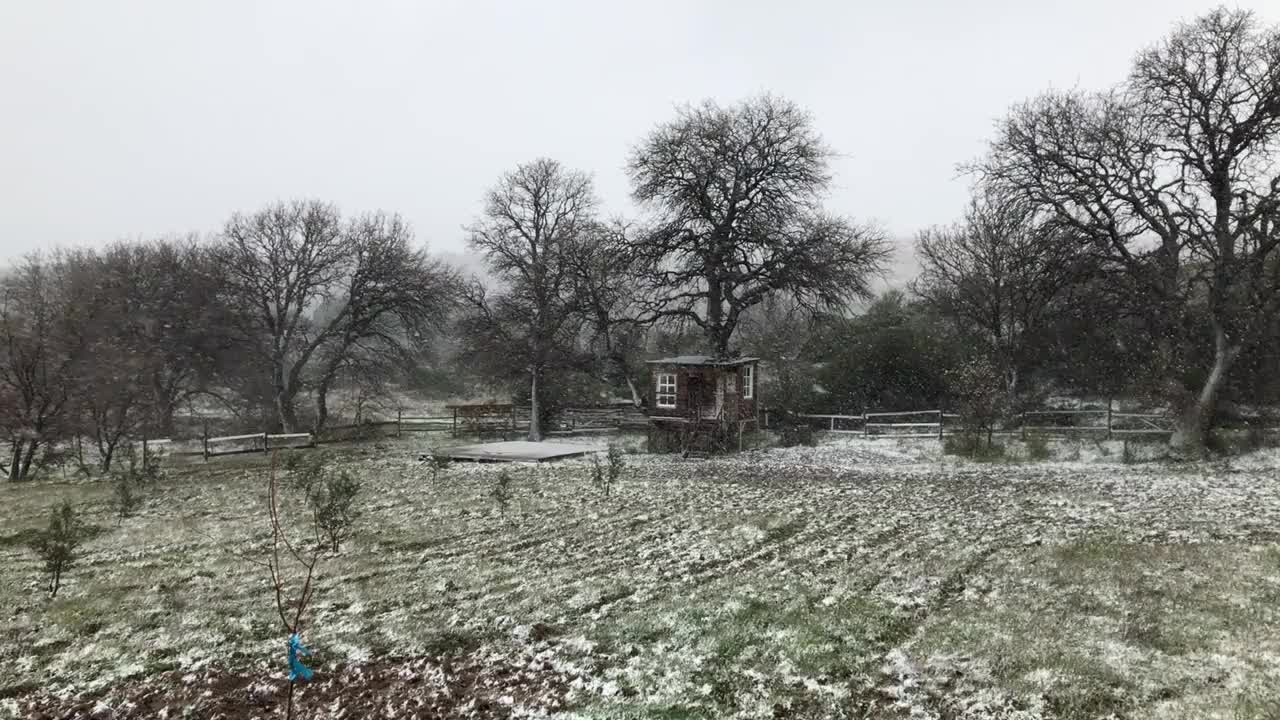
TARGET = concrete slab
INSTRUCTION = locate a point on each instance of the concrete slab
(518, 451)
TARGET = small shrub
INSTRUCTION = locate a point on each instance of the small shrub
(604, 475)
(438, 464)
(307, 473)
(1038, 447)
(501, 492)
(617, 463)
(125, 496)
(144, 466)
(56, 545)
(333, 507)
(597, 474)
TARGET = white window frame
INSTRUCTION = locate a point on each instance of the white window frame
(666, 390)
(748, 382)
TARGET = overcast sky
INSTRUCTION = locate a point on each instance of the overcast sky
(134, 119)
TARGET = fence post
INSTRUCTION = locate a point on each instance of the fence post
(866, 431)
(1022, 425)
(204, 440)
(399, 413)
(940, 421)
(264, 442)
(455, 422)
(144, 453)
(1109, 399)
(833, 424)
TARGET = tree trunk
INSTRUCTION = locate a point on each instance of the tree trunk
(719, 333)
(322, 406)
(108, 451)
(1193, 420)
(535, 408)
(15, 467)
(162, 416)
(282, 396)
(29, 458)
(635, 392)
(286, 417)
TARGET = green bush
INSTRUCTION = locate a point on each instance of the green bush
(438, 464)
(306, 472)
(333, 506)
(56, 545)
(603, 476)
(125, 498)
(501, 492)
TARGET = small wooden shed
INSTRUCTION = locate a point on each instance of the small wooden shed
(701, 389)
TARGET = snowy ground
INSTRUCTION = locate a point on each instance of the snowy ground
(857, 579)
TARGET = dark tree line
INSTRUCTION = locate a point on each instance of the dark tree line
(731, 219)
(1170, 181)
(101, 347)
(1119, 242)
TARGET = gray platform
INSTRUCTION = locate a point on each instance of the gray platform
(518, 451)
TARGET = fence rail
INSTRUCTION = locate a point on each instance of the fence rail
(909, 423)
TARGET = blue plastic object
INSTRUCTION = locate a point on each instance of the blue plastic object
(296, 669)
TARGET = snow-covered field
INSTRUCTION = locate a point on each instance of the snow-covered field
(856, 579)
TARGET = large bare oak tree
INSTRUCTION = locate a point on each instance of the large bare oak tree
(736, 195)
(1000, 274)
(1172, 176)
(535, 220)
(320, 294)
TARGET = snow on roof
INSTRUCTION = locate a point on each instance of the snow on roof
(702, 360)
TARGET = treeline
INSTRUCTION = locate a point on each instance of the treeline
(1120, 242)
(283, 305)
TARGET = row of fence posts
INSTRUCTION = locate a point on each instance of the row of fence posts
(1022, 422)
(266, 441)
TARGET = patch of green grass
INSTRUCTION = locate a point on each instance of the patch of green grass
(1257, 705)
(1105, 615)
(727, 634)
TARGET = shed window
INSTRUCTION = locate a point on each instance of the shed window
(748, 381)
(666, 394)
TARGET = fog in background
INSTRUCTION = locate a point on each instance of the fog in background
(135, 119)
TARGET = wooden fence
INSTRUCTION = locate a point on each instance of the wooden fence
(515, 421)
(254, 442)
(938, 424)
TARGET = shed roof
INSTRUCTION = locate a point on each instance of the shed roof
(703, 361)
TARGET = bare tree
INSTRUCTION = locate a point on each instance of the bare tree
(999, 274)
(1173, 177)
(531, 230)
(395, 300)
(736, 197)
(320, 295)
(607, 294)
(168, 291)
(41, 346)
